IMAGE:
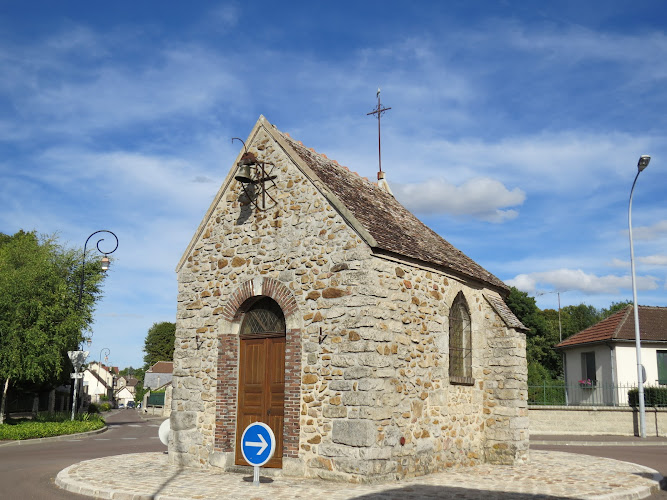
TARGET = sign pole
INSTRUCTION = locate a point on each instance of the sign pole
(258, 443)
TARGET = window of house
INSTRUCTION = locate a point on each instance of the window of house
(460, 342)
(588, 369)
(662, 367)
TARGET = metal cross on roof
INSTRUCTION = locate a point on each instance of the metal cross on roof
(378, 111)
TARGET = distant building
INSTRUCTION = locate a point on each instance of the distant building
(158, 374)
(98, 381)
(601, 360)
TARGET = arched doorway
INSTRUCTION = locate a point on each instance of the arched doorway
(261, 390)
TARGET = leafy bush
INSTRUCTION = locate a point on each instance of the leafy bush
(93, 408)
(48, 425)
(105, 406)
(653, 396)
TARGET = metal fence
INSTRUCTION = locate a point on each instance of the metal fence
(592, 394)
(155, 399)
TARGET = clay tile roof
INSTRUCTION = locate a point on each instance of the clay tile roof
(505, 312)
(621, 326)
(162, 367)
(394, 228)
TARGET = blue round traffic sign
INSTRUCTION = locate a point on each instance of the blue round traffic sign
(258, 443)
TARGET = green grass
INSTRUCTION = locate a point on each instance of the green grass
(48, 425)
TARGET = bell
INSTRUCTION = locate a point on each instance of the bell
(244, 174)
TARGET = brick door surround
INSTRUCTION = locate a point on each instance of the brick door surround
(228, 360)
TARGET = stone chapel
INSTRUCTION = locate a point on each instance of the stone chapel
(310, 299)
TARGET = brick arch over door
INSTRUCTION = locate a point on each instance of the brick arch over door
(228, 363)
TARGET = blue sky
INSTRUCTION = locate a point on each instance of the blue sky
(514, 132)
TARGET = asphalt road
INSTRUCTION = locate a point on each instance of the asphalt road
(28, 471)
(654, 457)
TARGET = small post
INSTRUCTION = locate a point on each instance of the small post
(255, 478)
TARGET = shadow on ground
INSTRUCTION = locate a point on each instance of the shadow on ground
(167, 482)
(416, 491)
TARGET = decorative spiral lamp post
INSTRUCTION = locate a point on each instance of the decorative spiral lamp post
(104, 261)
(79, 357)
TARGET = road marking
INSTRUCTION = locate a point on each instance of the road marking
(134, 425)
(128, 438)
(102, 439)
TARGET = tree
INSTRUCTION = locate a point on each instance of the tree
(39, 317)
(578, 318)
(159, 343)
(614, 308)
(540, 337)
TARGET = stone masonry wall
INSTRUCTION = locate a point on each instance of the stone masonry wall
(375, 399)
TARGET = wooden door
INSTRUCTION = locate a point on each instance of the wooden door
(261, 391)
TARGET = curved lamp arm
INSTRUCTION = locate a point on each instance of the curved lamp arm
(104, 259)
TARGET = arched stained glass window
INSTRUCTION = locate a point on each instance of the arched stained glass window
(460, 342)
(264, 316)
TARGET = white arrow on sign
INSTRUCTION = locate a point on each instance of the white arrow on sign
(262, 446)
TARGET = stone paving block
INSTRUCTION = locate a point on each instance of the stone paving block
(549, 475)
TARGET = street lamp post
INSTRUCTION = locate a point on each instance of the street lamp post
(641, 165)
(78, 358)
(104, 260)
(106, 358)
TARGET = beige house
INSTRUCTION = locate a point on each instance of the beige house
(98, 381)
(123, 395)
(310, 299)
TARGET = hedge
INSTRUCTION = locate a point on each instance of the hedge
(31, 429)
(653, 396)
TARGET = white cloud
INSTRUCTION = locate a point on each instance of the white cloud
(482, 198)
(580, 44)
(649, 260)
(657, 230)
(576, 279)
(654, 260)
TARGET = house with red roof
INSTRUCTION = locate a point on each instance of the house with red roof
(602, 361)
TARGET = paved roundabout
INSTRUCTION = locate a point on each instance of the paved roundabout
(550, 474)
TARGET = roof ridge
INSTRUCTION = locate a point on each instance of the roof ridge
(392, 228)
(626, 314)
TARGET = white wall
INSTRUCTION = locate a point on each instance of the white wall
(627, 363)
(603, 375)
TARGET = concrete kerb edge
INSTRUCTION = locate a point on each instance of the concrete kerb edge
(596, 443)
(62, 437)
(658, 482)
(66, 483)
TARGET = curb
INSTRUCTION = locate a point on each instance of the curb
(596, 443)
